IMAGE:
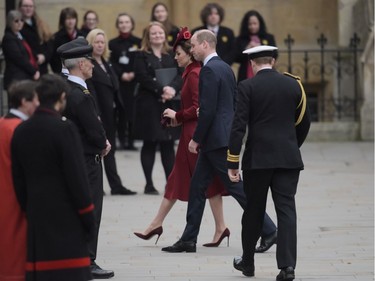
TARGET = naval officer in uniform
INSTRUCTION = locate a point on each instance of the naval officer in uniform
(272, 106)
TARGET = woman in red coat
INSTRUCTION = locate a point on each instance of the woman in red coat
(178, 184)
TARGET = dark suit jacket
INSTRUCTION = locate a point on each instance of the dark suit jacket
(105, 88)
(267, 105)
(225, 43)
(17, 64)
(240, 46)
(81, 109)
(217, 91)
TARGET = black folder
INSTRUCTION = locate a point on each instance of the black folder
(165, 75)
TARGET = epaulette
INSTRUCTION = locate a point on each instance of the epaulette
(293, 76)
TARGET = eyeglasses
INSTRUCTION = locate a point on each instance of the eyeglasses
(18, 20)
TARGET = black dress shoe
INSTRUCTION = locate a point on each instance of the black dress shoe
(286, 274)
(266, 243)
(151, 190)
(99, 273)
(247, 269)
(181, 246)
(122, 191)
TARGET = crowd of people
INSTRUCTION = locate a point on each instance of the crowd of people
(75, 94)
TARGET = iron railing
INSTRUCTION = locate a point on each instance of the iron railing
(330, 76)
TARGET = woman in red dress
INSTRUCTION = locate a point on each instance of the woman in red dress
(178, 184)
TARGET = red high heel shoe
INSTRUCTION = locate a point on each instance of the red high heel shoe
(157, 231)
(226, 233)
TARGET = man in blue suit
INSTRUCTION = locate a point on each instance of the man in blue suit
(217, 91)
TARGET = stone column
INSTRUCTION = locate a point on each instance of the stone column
(367, 110)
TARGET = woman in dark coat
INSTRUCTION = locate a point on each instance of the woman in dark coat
(253, 32)
(123, 49)
(105, 87)
(68, 31)
(20, 61)
(153, 98)
(36, 33)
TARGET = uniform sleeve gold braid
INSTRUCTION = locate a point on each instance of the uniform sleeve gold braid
(232, 157)
(303, 98)
(303, 102)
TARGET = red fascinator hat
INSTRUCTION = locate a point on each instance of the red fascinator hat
(183, 35)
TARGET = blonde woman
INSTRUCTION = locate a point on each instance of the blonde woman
(105, 87)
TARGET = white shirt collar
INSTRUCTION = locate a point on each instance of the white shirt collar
(210, 56)
(214, 29)
(265, 67)
(77, 80)
(65, 71)
(19, 114)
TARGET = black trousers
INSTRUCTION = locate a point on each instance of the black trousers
(208, 165)
(110, 166)
(283, 184)
(95, 173)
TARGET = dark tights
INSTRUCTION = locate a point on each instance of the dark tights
(148, 153)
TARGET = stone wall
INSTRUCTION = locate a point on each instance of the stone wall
(304, 19)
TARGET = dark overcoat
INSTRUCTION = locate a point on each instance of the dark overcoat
(17, 63)
(51, 185)
(105, 88)
(123, 52)
(148, 104)
(30, 33)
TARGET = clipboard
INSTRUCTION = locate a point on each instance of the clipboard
(165, 75)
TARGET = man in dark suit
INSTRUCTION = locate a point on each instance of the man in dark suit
(217, 90)
(273, 107)
(81, 109)
(212, 15)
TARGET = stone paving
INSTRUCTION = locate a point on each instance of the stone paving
(335, 205)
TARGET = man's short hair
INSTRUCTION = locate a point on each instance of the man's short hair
(19, 90)
(208, 36)
(50, 88)
(263, 60)
(71, 63)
